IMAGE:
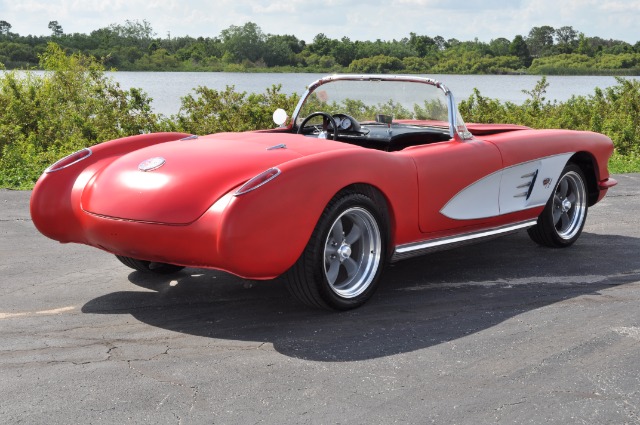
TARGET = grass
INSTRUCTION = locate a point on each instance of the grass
(620, 164)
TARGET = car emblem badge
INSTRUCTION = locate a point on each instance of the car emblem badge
(546, 182)
(151, 164)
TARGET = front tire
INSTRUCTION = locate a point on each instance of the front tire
(564, 216)
(341, 265)
(148, 266)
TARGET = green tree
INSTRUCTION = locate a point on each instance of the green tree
(344, 52)
(441, 43)
(567, 42)
(56, 28)
(566, 36)
(540, 40)
(421, 44)
(243, 42)
(281, 50)
(520, 49)
(105, 37)
(500, 46)
(5, 27)
(322, 45)
(18, 53)
(584, 46)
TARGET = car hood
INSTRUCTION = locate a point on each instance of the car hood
(194, 175)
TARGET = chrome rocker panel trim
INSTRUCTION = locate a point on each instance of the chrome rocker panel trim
(418, 248)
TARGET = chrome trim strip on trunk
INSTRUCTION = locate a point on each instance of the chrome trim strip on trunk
(280, 146)
(418, 248)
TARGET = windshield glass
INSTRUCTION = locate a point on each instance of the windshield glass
(370, 100)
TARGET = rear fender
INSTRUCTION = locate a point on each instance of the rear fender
(267, 229)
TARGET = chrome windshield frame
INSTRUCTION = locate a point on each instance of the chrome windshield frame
(455, 128)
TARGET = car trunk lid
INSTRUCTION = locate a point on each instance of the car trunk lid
(194, 174)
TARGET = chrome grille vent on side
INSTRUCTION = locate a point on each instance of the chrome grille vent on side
(527, 187)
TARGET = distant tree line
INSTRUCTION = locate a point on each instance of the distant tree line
(135, 46)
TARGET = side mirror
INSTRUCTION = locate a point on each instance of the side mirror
(280, 117)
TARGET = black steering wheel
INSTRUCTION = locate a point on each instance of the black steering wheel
(326, 118)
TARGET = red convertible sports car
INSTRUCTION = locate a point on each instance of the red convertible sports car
(368, 170)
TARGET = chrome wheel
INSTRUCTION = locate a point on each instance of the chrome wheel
(341, 265)
(562, 220)
(569, 205)
(352, 252)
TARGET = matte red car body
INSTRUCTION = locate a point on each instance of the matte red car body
(185, 213)
(172, 198)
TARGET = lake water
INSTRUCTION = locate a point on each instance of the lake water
(167, 88)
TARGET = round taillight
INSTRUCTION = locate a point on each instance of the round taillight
(259, 180)
(69, 160)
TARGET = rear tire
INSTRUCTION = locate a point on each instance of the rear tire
(563, 218)
(341, 265)
(149, 266)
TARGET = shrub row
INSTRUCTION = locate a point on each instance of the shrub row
(73, 105)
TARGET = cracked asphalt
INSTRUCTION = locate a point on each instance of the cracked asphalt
(499, 332)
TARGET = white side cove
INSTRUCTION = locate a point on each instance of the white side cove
(547, 173)
(516, 188)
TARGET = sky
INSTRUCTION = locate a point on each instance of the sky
(464, 20)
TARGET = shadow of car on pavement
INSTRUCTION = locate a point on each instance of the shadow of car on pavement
(421, 302)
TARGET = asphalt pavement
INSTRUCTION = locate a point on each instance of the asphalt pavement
(499, 332)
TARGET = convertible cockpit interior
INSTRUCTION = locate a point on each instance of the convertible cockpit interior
(383, 134)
